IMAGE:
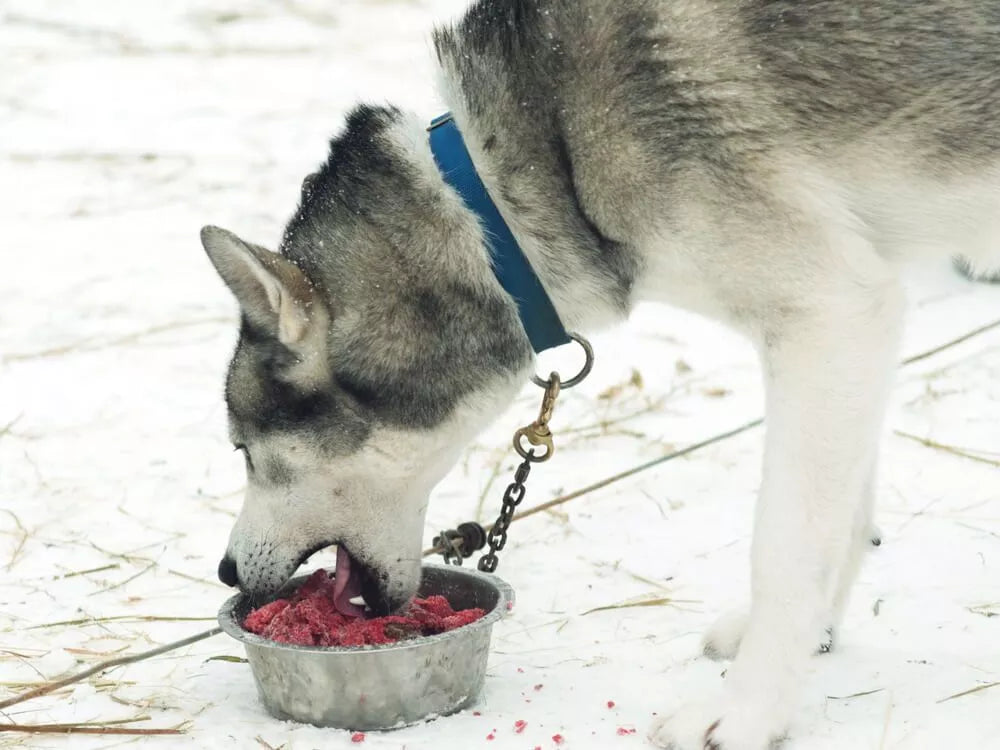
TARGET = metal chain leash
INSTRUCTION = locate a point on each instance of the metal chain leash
(457, 544)
(512, 497)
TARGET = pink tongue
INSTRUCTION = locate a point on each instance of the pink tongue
(346, 586)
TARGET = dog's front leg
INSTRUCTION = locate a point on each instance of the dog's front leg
(828, 374)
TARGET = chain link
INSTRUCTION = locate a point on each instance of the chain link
(512, 497)
(457, 544)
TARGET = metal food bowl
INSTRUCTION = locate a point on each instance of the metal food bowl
(378, 687)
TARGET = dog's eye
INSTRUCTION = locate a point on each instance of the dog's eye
(246, 454)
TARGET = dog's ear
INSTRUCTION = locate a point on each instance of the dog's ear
(273, 292)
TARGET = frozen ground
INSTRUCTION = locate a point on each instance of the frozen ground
(122, 131)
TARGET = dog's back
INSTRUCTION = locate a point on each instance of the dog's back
(923, 74)
(892, 106)
(832, 70)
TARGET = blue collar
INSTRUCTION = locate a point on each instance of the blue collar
(538, 316)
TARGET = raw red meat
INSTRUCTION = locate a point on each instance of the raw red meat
(309, 618)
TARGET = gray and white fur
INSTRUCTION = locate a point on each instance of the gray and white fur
(771, 164)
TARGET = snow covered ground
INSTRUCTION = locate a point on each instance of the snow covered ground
(124, 127)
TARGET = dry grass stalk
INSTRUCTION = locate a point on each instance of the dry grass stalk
(854, 695)
(97, 668)
(977, 689)
(20, 654)
(647, 601)
(129, 338)
(22, 539)
(119, 618)
(648, 581)
(7, 427)
(91, 652)
(186, 577)
(953, 450)
(604, 424)
(954, 342)
(129, 558)
(885, 724)
(101, 569)
(263, 743)
(83, 729)
(634, 381)
(96, 684)
(128, 580)
(635, 470)
(986, 610)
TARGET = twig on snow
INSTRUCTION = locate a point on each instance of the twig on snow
(645, 602)
(953, 450)
(83, 729)
(885, 724)
(22, 540)
(128, 338)
(954, 342)
(986, 610)
(642, 467)
(854, 695)
(97, 668)
(263, 743)
(118, 585)
(9, 426)
(119, 618)
(976, 689)
(101, 569)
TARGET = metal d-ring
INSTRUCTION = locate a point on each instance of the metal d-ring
(588, 351)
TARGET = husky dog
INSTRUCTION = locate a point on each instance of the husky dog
(768, 163)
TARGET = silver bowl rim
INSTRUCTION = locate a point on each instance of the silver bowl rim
(232, 627)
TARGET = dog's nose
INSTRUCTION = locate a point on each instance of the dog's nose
(227, 571)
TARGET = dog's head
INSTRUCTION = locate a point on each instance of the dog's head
(367, 357)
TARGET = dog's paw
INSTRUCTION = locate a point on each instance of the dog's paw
(692, 728)
(735, 732)
(687, 729)
(721, 641)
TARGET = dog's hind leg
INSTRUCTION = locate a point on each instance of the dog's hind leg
(828, 372)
